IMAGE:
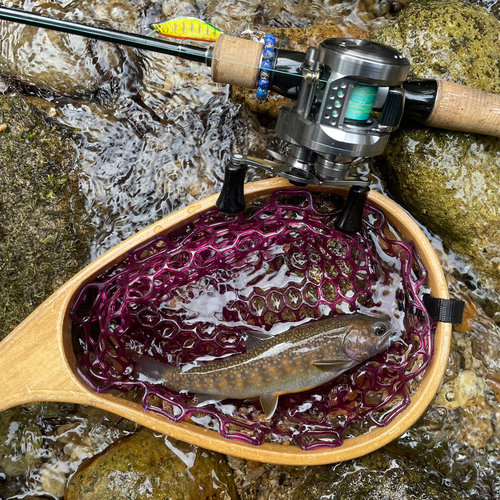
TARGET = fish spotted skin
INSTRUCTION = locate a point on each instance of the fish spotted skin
(294, 361)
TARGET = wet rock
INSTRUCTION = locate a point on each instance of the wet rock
(453, 366)
(37, 498)
(54, 478)
(485, 342)
(457, 392)
(234, 17)
(459, 433)
(375, 476)
(117, 11)
(475, 427)
(172, 9)
(43, 233)
(373, 9)
(153, 467)
(380, 475)
(449, 180)
(239, 16)
(493, 380)
(65, 63)
(471, 314)
(294, 39)
(20, 442)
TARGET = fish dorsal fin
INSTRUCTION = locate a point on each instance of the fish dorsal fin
(269, 402)
(332, 365)
(254, 339)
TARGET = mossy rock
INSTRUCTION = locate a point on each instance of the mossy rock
(379, 475)
(451, 40)
(449, 180)
(43, 232)
(143, 467)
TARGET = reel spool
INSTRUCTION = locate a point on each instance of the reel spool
(334, 121)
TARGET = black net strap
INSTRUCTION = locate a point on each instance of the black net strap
(444, 310)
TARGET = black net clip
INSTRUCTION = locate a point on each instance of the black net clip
(444, 310)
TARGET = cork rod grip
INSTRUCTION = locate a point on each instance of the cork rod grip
(236, 61)
(465, 109)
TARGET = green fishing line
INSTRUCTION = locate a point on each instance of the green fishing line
(361, 103)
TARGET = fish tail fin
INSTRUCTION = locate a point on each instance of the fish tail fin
(149, 370)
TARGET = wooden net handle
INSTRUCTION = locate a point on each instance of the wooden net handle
(465, 109)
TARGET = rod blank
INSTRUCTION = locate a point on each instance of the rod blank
(190, 52)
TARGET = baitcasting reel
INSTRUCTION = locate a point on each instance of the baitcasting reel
(349, 100)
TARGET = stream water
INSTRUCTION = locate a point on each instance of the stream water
(154, 134)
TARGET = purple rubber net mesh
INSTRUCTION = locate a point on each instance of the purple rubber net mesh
(194, 293)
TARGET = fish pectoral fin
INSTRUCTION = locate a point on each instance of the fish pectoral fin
(201, 399)
(331, 365)
(255, 339)
(269, 402)
(249, 400)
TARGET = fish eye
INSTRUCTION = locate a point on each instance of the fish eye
(379, 329)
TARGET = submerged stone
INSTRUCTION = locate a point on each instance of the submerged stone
(456, 393)
(449, 180)
(20, 442)
(43, 232)
(147, 466)
(374, 476)
(64, 63)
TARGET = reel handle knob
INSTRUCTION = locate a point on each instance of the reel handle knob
(350, 219)
(231, 199)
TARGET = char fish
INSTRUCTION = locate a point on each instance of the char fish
(297, 360)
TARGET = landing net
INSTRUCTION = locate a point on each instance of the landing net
(195, 293)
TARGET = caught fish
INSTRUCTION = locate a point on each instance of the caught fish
(186, 28)
(300, 359)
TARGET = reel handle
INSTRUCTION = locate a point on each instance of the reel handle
(232, 199)
(350, 219)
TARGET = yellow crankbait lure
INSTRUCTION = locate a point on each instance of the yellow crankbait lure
(187, 28)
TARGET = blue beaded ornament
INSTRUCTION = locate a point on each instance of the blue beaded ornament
(266, 66)
(263, 84)
(270, 39)
(261, 93)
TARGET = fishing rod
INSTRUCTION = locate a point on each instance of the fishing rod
(286, 72)
(434, 103)
(349, 94)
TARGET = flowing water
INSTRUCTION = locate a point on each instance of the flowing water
(154, 134)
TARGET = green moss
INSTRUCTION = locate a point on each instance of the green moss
(43, 233)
